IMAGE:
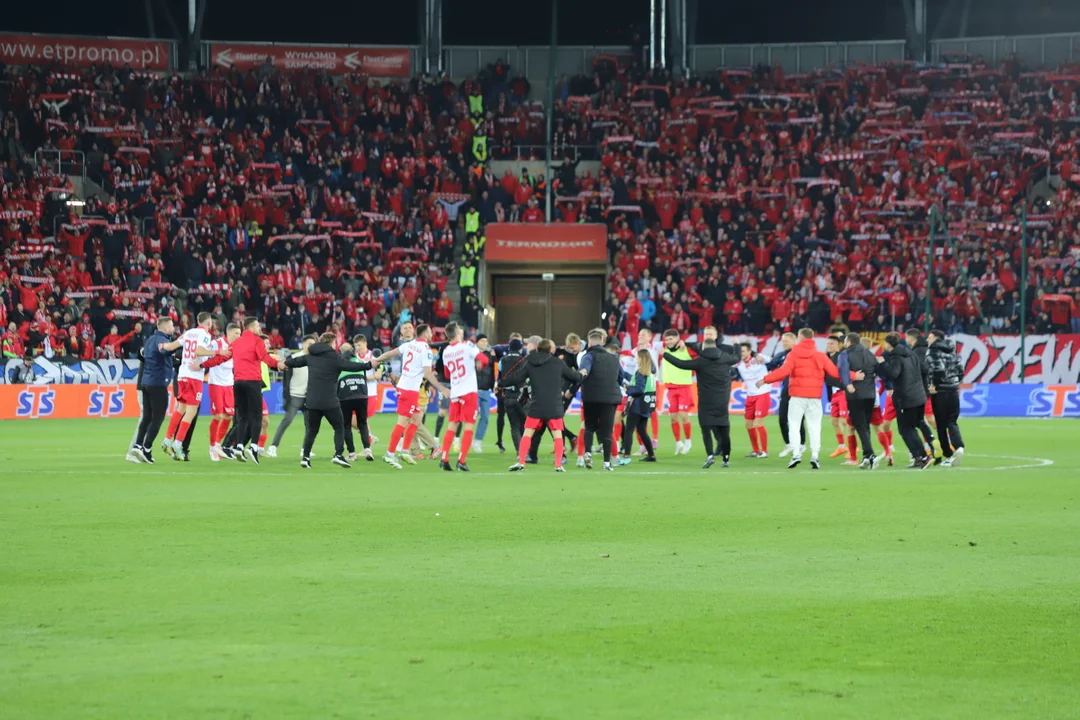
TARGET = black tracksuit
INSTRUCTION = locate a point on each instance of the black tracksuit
(945, 375)
(861, 402)
(510, 406)
(570, 360)
(920, 351)
(600, 397)
(545, 374)
(909, 378)
(353, 396)
(324, 366)
(713, 367)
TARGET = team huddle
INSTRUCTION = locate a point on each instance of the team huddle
(336, 381)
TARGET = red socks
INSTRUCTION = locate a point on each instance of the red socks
(654, 425)
(686, 430)
(174, 424)
(616, 439)
(763, 438)
(523, 448)
(888, 434)
(840, 441)
(752, 432)
(883, 440)
(852, 448)
(182, 431)
(410, 433)
(675, 430)
(559, 446)
(581, 444)
(395, 438)
(447, 441)
(262, 441)
(466, 443)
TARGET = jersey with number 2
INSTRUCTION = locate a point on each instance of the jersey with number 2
(459, 360)
(415, 358)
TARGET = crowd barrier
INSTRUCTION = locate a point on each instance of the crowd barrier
(68, 402)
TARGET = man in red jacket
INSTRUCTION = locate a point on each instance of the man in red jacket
(249, 353)
(806, 366)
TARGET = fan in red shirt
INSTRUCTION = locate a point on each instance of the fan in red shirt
(733, 311)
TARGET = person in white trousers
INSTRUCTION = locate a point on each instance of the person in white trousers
(806, 368)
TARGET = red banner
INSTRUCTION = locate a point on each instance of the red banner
(83, 51)
(555, 243)
(340, 59)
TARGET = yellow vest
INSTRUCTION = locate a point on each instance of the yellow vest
(479, 148)
(677, 376)
(467, 277)
(472, 221)
(265, 377)
(476, 104)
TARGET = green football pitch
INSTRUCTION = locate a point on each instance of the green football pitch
(200, 590)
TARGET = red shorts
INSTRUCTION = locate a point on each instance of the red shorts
(221, 400)
(757, 406)
(465, 409)
(408, 402)
(189, 391)
(890, 410)
(266, 410)
(928, 410)
(622, 407)
(875, 415)
(679, 398)
(555, 424)
(838, 405)
(372, 405)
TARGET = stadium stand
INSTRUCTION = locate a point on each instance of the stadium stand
(748, 199)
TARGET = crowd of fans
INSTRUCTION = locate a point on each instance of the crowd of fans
(748, 199)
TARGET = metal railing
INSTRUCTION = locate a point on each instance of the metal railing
(61, 162)
(1033, 50)
(537, 153)
(794, 57)
(530, 61)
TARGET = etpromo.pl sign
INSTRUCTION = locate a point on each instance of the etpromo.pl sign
(81, 52)
(340, 59)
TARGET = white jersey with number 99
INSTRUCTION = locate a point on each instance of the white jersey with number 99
(194, 338)
(415, 358)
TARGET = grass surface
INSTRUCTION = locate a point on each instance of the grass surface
(232, 591)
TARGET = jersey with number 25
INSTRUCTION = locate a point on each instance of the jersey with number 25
(459, 359)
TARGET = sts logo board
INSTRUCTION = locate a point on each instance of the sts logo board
(106, 401)
(36, 401)
(1054, 401)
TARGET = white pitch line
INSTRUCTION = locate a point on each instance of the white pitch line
(1031, 462)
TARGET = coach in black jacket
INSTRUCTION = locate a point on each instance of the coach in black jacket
(324, 365)
(861, 393)
(909, 377)
(545, 374)
(945, 375)
(713, 367)
(920, 349)
(600, 393)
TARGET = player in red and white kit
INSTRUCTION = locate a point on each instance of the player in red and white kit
(758, 399)
(459, 362)
(220, 380)
(415, 368)
(197, 343)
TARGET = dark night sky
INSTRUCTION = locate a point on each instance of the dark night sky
(492, 22)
